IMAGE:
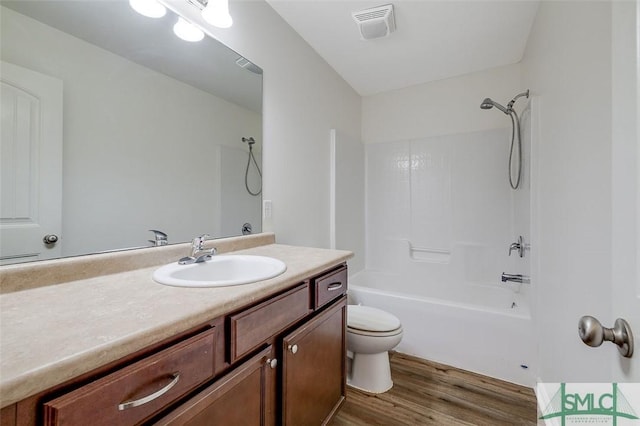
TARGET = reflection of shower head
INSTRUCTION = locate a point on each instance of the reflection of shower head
(488, 103)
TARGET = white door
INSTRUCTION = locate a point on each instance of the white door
(626, 183)
(31, 165)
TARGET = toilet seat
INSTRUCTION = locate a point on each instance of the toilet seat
(375, 333)
(368, 321)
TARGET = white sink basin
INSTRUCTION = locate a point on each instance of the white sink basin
(220, 271)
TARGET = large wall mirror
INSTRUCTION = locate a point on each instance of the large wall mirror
(112, 126)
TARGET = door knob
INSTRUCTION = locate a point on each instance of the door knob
(593, 334)
(293, 349)
(50, 239)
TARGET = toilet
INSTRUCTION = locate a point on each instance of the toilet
(371, 333)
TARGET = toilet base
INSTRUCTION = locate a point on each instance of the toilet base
(370, 372)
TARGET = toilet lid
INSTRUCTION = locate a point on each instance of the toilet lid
(371, 319)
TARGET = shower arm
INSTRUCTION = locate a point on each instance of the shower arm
(513, 101)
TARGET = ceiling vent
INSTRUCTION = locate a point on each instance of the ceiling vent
(375, 22)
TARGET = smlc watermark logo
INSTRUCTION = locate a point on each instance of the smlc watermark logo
(563, 404)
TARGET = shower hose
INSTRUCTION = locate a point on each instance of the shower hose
(515, 131)
(246, 173)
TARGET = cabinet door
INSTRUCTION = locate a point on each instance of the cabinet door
(314, 368)
(245, 396)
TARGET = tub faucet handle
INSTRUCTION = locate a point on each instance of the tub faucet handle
(518, 246)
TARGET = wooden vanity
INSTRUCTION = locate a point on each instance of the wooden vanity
(278, 359)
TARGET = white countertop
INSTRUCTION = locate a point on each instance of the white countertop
(54, 333)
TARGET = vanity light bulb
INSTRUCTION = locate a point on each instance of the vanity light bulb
(217, 13)
(187, 31)
(148, 8)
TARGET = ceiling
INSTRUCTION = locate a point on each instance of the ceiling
(434, 39)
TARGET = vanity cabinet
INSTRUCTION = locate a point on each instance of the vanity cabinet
(281, 360)
(308, 367)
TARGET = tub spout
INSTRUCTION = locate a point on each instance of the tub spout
(515, 278)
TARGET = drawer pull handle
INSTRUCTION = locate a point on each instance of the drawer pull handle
(334, 286)
(293, 348)
(149, 398)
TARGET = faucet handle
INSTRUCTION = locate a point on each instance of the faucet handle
(160, 238)
(198, 242)
(519, 246)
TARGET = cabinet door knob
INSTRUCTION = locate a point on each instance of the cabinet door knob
(293, 349)
(272, 362)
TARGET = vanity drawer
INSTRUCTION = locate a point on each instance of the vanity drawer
(251, 328)
(136, 392)
(329, 287)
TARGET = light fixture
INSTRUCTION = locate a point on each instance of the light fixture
(217, 14)
(149, 8)
(187, 31)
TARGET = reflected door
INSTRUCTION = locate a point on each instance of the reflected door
(31, 165)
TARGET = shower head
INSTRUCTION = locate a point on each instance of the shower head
(488, 103)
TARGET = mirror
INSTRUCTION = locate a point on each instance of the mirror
(150, 130)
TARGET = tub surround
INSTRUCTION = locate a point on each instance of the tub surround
(61, 319)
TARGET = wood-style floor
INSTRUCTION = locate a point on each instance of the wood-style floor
(428, 393)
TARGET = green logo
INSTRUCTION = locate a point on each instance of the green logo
(586, 405)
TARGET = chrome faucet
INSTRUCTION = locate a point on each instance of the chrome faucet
(519, 246)
(515, 278)
(198, 253)
(160, 238)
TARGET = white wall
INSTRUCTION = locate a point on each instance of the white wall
(348, 215)
(124, 142)
(441, 107)
(304, 98)
(567, 65)
(626, 178)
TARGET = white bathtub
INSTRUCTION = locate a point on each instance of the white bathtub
(482, 328)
